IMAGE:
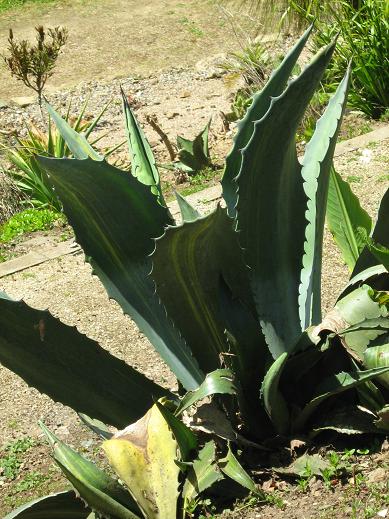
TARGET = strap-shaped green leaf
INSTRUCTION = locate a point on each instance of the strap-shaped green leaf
(102, 493)
(316, 167)
(188, 262)
(260, 105)
(61, 505)
(380, 235)
(58, 360)
(273, 400)
(203, 473)
(380, 252)
(115, 218)
(334, 385)
(195, 154)
(271, 209)
(75, 141)
(143, 165)
(231, 467)
(218, 382)
(344, 216)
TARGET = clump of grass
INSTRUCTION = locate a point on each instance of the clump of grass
(29, 220)
(12, 456)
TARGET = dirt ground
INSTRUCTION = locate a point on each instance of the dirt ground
(117, 38)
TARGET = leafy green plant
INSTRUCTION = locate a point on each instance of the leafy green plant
(11, 459)
(363, 38)
(34, 64)
(29, 220)
(27, 173)
(194, 155)
(231, 301)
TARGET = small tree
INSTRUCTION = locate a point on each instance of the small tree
(34, 64)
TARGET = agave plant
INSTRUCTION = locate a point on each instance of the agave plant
(231, 301)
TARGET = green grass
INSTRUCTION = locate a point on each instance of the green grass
(29, 220)
(5, 5)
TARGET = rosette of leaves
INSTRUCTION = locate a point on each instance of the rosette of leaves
(231, 300)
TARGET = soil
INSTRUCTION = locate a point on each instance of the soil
(183, 101)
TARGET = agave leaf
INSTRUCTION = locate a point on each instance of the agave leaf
(195, 154)
(316, 167)
(354, 309)
(274, 252)
(203, 473)
(354, 420)
(307, 463)
(260, 105)
(143, 165)
(344, 216)
(115, 218)
(369, 274)
(334, 385)
(188, 213)
(273, 400)
(380, 235)
(61, 505)
(58, 360)
(231, 467)
(143, 455)
(185, 438)
(378, 357)
(220, 381)
(383, 419)
(102, 493)
(75, 141)
(248, 357)
(188, 262)
(96, 426)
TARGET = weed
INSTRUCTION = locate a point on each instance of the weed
(303, 481)
(191, 27)
(30, 481)
(29, 220)
(12, 459)
(354, 179)
(383, 178)
(5, 5)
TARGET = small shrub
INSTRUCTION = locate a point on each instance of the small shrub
(34, 64)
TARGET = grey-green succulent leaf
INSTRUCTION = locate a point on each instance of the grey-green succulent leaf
(334, 385)
(115, 219)
(273, 400)
(354, 309)
(344, 216)
(75, 141)
(316, 167)
(260, 105)
(194, 155)
(61, 505)
(189, 261)
(218, 382)
(271, 209)
(378, 357)
(380, 252)
(188, 212)
(72, 369)
(143, 165)
(102, 493)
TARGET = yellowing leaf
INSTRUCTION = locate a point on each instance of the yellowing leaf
(143, 456)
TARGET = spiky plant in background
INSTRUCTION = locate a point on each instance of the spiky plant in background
(231, 301)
